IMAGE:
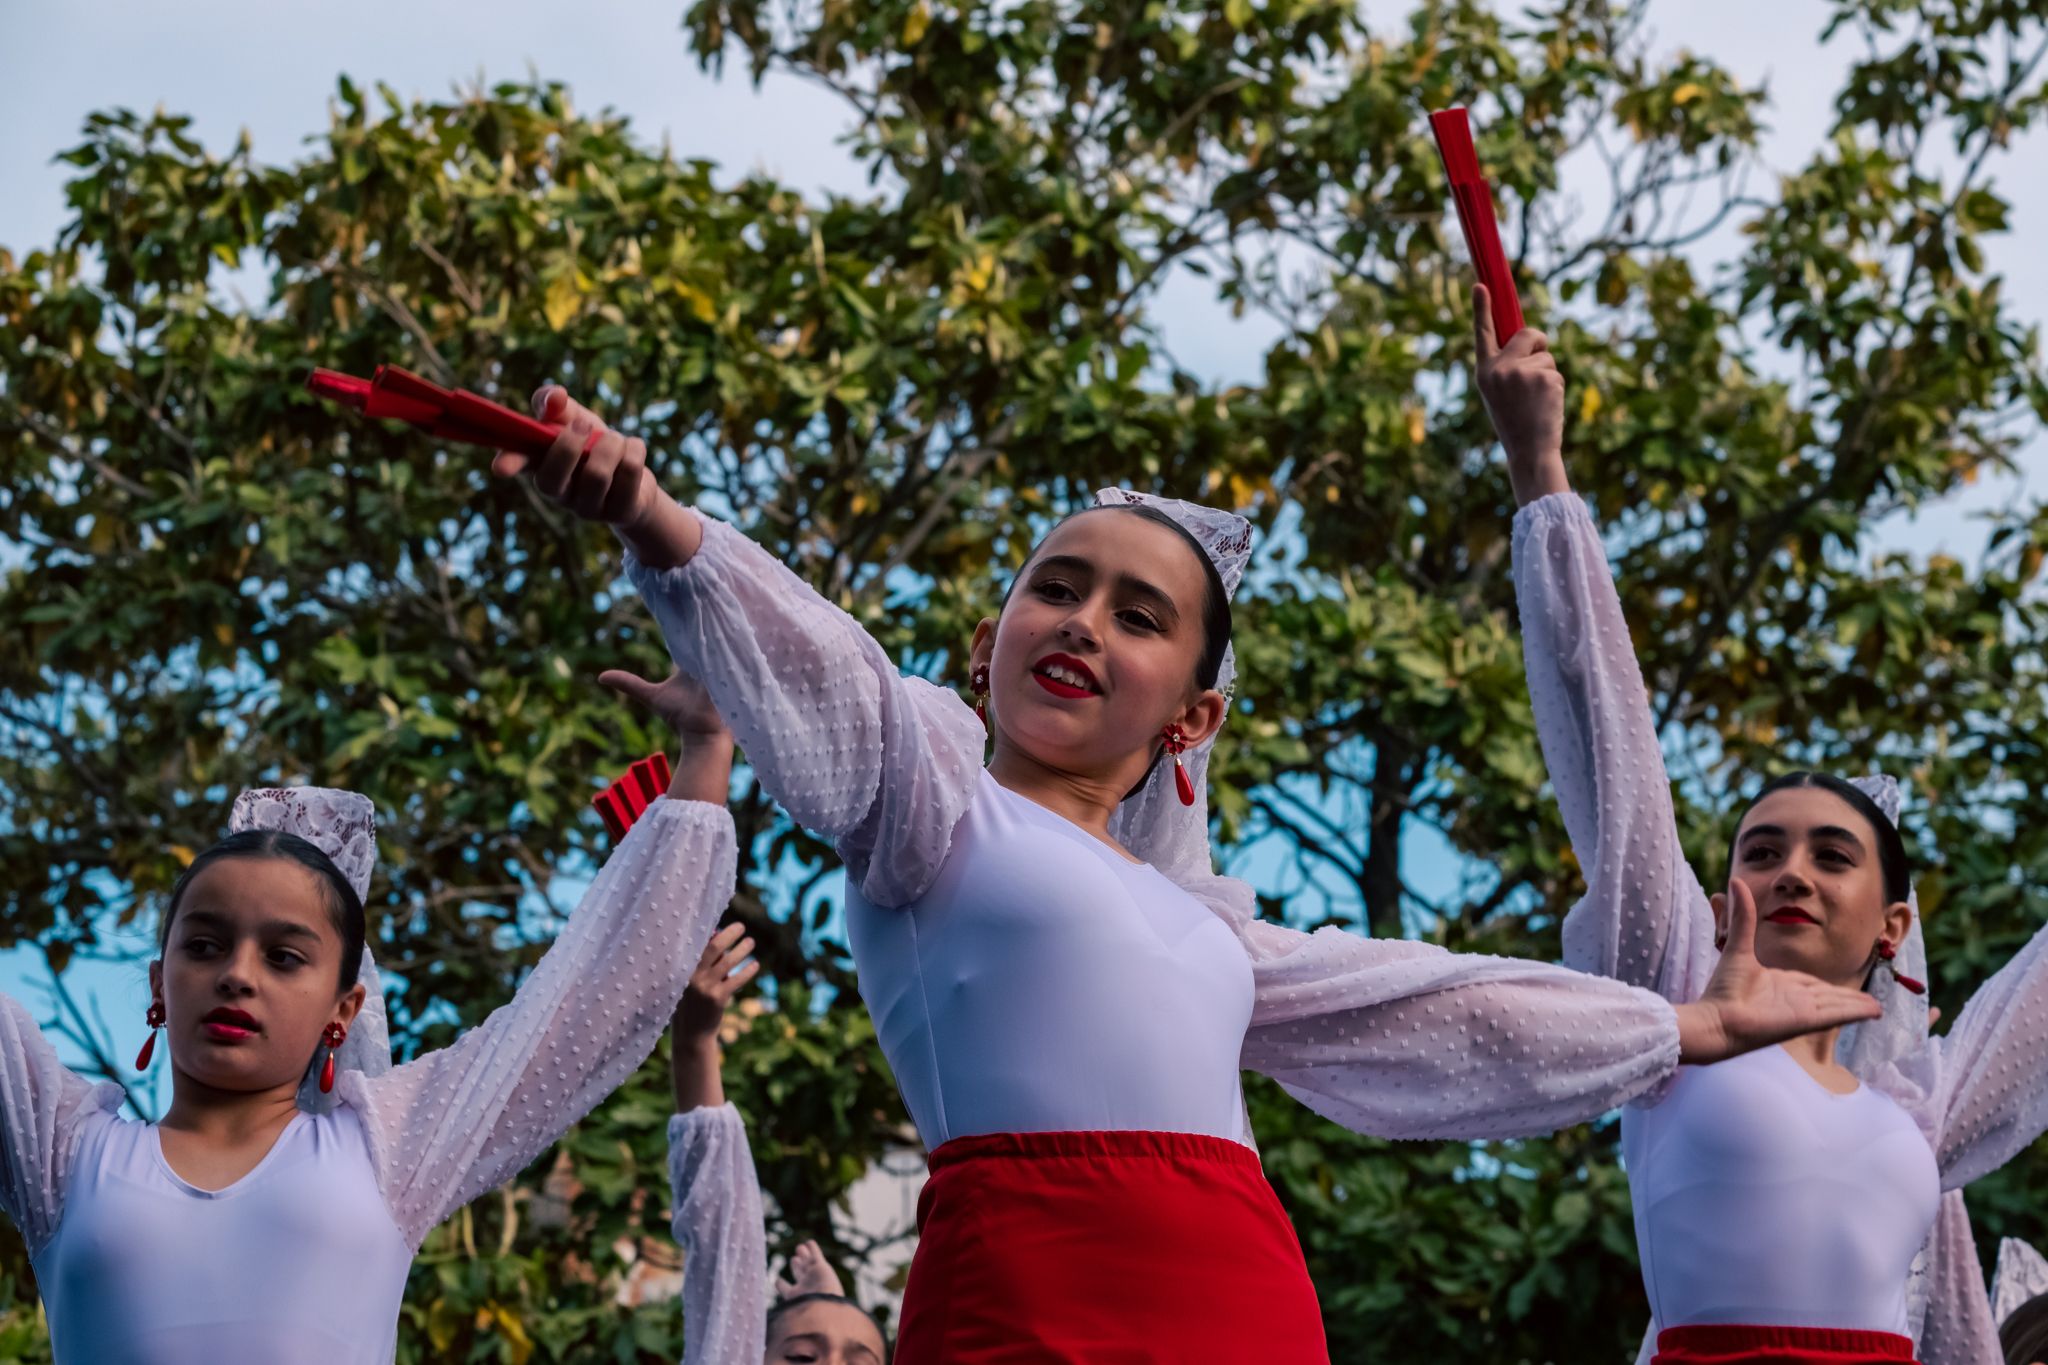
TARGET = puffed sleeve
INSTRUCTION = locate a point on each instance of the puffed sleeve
(44, 1107)
(457, 1122)
(881, 764)
(1644, 918)
(1405, 1040)
(1980, 1091)
(716, 1216)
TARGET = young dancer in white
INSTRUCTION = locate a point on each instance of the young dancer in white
(251, 1226)
(1781, 1199)
(1064, 987)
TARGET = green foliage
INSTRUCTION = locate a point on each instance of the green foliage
(215, 581)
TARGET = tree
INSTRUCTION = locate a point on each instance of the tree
(220, 582)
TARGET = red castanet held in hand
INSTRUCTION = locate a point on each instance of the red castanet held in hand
(1473, 198)
(399, 395)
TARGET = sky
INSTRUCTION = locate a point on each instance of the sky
(270, 68)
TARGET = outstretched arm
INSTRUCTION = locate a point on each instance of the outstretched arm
(882, 764)
(1644, 918)
(715, 1200)
(449, 1126)
(1405, 1040)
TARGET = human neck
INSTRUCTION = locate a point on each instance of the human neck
(227, 1115)
(1814, 1051)
(1087, 799)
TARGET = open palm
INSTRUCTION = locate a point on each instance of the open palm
(1750, 1005)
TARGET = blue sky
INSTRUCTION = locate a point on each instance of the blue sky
(270, 68)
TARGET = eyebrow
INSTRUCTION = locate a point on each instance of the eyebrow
(277, 928)
(1128, 583)
(1836, 832)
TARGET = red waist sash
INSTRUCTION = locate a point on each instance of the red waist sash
(1740, 1345)
(1114, 1248)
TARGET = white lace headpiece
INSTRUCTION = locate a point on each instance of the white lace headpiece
(1902, 1028)
(343, 825)
(2021, 1275)
(1153, 824)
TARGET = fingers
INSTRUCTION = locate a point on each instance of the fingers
(720, 944)
(509, 464)
(1482, 323)
(552, 403)
(631, 686)
(625, 493)
(1741, 920)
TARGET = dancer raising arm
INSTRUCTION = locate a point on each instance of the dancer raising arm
(1063, 985)
(1786, 1193)
(273, 1213)
(715, 1199)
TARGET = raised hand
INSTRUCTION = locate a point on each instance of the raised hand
(1747, 1005)
(1524, 394)
(693, 1033)
(809, 1273)
(600, 475)
(679, 699)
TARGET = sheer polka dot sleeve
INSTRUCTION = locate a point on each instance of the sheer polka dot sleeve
(1981, 1090)
(882, 764)
(1645, 918)
(1405, 1040)
(44, 1107)
(715, 1211)
(457, 1122)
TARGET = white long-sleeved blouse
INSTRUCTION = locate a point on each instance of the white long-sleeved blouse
(304, 1259)
(1978, 1095)
(715, 1213)
(1394, 1038)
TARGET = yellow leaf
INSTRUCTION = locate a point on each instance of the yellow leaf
(1417, 427)
(1687, 93)
(915, 23)
(1589, 404)
(561, 301)
(183, 854)
(699, 301)
(224, 633)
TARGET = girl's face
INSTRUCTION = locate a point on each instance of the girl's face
(251, 975)
(1811, 862)
(1096, 649)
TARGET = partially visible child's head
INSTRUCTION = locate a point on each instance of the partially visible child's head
(823, 1329)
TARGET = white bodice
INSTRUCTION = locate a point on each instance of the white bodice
(1762, 1197)
(1045, 983)
(297, 1263)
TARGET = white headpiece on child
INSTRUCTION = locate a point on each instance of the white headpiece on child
(2021, 1275)
(343, 825)
(1153, 824)
(1903, 1027)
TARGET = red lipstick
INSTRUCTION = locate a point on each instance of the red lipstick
(1062, 687)
(226, 1025)
(1789, 915)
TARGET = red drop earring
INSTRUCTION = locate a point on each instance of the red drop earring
(334, 1035)
(979, 683)
(1887, 954)
(1176, 741)
(155, 1019)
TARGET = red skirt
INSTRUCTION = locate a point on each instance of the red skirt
(1105, 1249)
(1736, 1345)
